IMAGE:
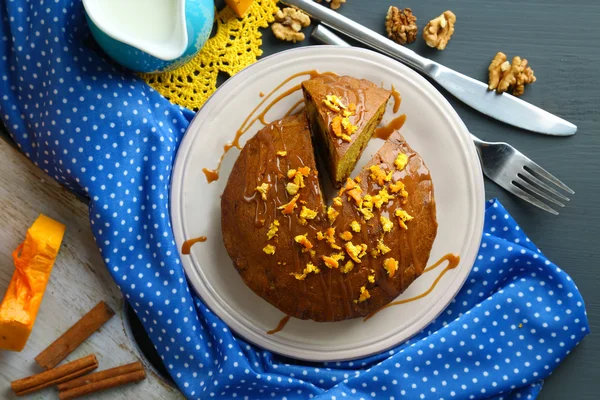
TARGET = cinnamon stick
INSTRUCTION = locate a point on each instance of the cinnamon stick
(77, 334)
(94, 387)
(101, 375)
(55, 376)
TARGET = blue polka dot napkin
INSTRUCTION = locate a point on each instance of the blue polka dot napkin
(100, 131)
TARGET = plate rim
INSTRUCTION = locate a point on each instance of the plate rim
(273, 343)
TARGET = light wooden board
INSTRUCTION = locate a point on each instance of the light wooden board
(79, 280)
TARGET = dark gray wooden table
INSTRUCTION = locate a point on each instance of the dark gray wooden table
(561, 40)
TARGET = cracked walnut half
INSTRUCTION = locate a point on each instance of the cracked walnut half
(438, 31)
(401, 25)
(289, 23)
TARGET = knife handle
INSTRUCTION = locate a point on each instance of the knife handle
(325, 36)
(364, 35)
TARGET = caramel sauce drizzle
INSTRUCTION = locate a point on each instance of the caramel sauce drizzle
(187, 245)
(213, 174)
(270, 169)
(280, 325)
(287, 93)
(397, 99)
(452, 259)
(384, 132)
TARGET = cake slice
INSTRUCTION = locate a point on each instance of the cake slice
(343, 114)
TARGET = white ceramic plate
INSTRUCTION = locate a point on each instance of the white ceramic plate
(432, 128)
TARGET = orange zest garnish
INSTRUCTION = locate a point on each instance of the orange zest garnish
(400, 188)
(269, 249)
(355, 226)
(347, 267)
(382, 248)
(263, 190)
(401, 161)
(391, 266)
(329, 236)
(304, 170)
(355, 194)
(307, 213)
(353, 251)
(364, 295)
(403, 217)
(350, 184)
(386, 224)
(334, 103)
(347, 236)
(303, 240)
(378, 175)
(289, 207)
(332, 214)
(330, 262)
(273, 228)
(310, 267)
(336, 126)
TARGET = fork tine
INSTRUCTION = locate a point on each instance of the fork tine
(517, 191)
(531, 188)
(533, 167)
(534, 180)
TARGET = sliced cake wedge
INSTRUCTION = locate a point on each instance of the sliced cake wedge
(343, 112)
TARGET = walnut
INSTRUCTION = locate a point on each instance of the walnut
(334, 4)
(504, 75)
(524, 77)
(438, 31)
(496, 69)
(401, 25)
(509, 77)
(289, 23)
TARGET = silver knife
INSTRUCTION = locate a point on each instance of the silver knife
(503, 107)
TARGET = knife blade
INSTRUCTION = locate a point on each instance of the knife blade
(502, 107)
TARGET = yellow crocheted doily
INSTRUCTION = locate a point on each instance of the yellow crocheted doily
(235, 45)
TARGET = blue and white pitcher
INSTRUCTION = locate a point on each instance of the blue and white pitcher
(150, 35)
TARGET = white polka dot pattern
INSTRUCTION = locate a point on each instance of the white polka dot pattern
(102, 132)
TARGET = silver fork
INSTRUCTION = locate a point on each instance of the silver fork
(516, 173)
